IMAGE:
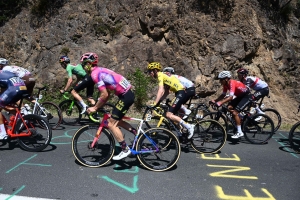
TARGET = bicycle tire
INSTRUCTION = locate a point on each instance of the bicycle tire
(197, 113)
(258, 131)
(93, 157)
(51, 113)
(221, 119)
(158, 161)
(41, 133)
(294, 137)
(98, 115)
(275, 116)
(209, 136)
(70, 115)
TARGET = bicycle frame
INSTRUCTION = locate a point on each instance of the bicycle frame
(11, 132)
(104, 122)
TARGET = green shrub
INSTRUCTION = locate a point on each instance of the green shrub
(65, 51)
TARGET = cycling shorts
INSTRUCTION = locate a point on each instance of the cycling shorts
(122, 105)
(12, 94)
(179, 99)
(189, 93)
(261, 93)
(240, 103)
(88, 83)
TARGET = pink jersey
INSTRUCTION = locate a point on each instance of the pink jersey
(236, 88)
(108, 79)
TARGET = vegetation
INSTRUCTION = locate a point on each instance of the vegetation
(103, 28)
(10, 8)
(65, 51)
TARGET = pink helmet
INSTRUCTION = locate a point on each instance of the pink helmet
(89, 57)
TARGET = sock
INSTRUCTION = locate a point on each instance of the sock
(239, 129)
(184, 108)
(258, 110)
(2, 130)
(123, 145)
(184, 124)
(83, 104)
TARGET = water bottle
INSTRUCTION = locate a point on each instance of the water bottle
(40, 96)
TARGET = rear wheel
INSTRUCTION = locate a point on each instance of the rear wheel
(95, 156)
(70, 112)
(275, 116)
(154, 154)
(218, 117)
(209, 136)
(38, 130)
(258, 128)
(51, 113)
(294, 137)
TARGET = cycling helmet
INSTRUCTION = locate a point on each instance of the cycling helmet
(3, 61)
(242, 71)
(64, 59)
(224, 74)
(89, 57)
(169, 69)
(154, 65)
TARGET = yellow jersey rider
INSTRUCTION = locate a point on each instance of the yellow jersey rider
(166, 83)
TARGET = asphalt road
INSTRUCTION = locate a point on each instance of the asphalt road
(240, 171)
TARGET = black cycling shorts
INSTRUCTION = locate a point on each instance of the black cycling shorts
(88, 83)
(240, 103)
(261, 93)
(179, 99)
(122, 106)
(189, 93)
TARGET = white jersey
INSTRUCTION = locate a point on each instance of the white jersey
(19, 71)
(255, 83)
(184, 81)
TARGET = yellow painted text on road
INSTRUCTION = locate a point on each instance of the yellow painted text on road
(233, 169)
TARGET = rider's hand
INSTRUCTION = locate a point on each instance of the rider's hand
(218, 104)
(212, 102)
(91, 110)
(62, 91)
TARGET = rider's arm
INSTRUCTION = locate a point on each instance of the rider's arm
(70, 80)
(160, 94)
(104, 96)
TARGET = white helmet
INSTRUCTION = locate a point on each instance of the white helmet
(3, 61)
(224, 74)
(169, 69)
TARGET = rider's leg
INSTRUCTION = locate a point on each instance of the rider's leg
(127, 127)
(90, 90)
(78, 97)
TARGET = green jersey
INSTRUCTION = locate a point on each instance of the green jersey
(76, 70)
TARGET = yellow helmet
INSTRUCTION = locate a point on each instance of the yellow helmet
(154, 65)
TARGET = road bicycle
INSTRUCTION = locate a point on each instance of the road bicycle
(32, 132)
(257, 128)
(48, 110)
(294, 136)
(94, 146)
(71, 111)
(209, 135)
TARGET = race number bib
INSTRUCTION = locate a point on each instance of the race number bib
(124, 83)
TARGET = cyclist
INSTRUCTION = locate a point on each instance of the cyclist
(14, 87)
(83, 81)
(260, 87)
(109, 80)
(166, 83)
(237, 104)
(189, 88)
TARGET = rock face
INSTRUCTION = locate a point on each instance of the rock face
(199, 38)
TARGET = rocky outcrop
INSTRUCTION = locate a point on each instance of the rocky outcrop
(199, 38)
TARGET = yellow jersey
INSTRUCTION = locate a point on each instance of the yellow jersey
(171, 81)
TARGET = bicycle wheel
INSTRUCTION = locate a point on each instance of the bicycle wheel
(197, 113)
(275, 116)
(154, 154)
(209, 136)
(98, 115)
(98, 155)
(70, 112)
(258, 128)
(294, 137)
(50, 112)
(39, 129)
(218, 117)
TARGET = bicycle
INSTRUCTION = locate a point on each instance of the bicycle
(71, 111)
(33, 132)
(94, 146)
(257, 128)
(294, 136)
(209, 135)
(50, 111)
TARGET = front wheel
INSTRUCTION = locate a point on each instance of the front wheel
(38, 130)
(209, 136)
(258, 128)
(70, 111)
(93, 156)
(154, 154)
(50, 112)
(294, 137)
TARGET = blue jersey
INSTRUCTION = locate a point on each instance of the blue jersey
(8, 79)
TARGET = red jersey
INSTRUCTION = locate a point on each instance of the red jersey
(236, 88)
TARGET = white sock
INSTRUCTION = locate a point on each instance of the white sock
(184, 124)
(239, 128)
(2, 130)
(184, 108)
(83, 104)
(258, 110)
